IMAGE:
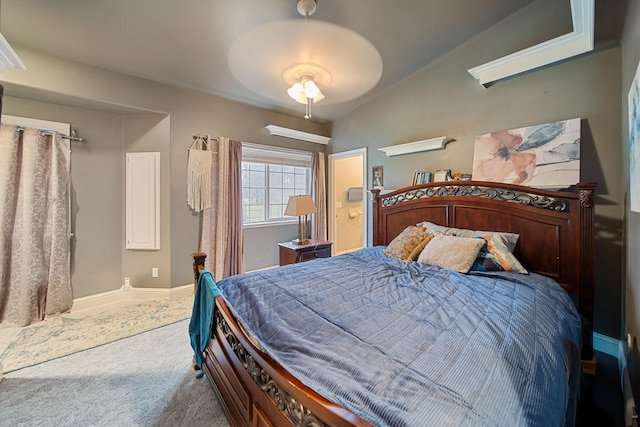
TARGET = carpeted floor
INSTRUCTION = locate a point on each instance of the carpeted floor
(144, 380)
(69, 333)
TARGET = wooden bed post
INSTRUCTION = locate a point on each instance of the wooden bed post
(586, 192)
(376, 215)
(198, 264)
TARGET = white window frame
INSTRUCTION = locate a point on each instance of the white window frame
(275, 156)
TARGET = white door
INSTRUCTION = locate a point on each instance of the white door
(348, 219)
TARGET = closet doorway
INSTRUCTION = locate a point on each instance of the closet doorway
(348, 219)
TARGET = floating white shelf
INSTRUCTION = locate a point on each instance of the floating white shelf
(8, 57)
(297, 134)
(416, 147)
(580, 40)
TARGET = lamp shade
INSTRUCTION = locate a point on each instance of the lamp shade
(300, 205)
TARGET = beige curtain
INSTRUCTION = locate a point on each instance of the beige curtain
(319, 195)
(222, 237)
(34, 225)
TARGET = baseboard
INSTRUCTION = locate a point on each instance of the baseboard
(617, 349)
(263, 268)
(608, 345)
(129, 293)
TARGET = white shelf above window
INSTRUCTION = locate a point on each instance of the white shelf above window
(417, 146)
(297, 134)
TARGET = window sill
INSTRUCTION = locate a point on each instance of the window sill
(269, 224)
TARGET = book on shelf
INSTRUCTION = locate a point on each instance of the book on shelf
(421, 178)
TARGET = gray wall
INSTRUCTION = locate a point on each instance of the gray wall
(630, 59)
(440, 100)
(261, 244)
(150, 132)
(443, 99)
(118, 113)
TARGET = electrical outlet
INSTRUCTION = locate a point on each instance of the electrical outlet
(127, 282)
(154, 272)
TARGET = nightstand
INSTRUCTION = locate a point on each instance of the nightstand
(291, 253)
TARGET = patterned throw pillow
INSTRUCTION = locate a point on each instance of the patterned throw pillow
(408, 244)
(495, 256)
(509, 239)
(451, 252)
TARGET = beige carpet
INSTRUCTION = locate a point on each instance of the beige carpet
(66, 334)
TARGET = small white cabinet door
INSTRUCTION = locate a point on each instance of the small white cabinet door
(143, 201)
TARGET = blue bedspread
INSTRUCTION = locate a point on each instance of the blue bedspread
(409, 344)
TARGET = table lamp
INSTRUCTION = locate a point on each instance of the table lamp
(300, 206)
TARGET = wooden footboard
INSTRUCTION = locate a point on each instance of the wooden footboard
(253, 388)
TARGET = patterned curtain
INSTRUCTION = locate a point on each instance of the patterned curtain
(222, 237)
(319, 195)
(34, 225)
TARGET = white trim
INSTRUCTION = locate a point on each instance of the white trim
(416, 147)
(263, 268)
(142, 201)
(63, 128)
(128, 293)
(331, 194)
(249, 225)
(297, 134)
(9, 58)
(275, 155)
(579, 41)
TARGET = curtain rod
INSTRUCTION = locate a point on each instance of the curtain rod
(72, 137)
(205, 137)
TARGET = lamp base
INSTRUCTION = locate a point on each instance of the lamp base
(300, 241)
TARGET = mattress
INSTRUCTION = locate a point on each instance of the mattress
(410, 344)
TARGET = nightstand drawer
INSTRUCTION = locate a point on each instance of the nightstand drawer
(324, 252)
(291, 253)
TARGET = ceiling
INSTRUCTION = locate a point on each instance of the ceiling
(186, 43)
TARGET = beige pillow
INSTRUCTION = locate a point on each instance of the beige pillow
(408, 244)
(451, 252)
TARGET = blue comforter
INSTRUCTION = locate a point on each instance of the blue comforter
(409, 344)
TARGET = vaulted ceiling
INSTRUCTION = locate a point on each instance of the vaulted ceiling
(186, 43)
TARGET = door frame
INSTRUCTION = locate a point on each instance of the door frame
(362, 153)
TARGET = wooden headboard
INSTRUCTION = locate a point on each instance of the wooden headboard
(556, 228)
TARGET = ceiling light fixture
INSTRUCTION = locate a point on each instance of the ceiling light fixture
(305, 81)
(305, 88)
(271, 58)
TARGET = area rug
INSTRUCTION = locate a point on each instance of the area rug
(67, 334)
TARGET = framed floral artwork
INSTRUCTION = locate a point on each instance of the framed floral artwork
(542, 156)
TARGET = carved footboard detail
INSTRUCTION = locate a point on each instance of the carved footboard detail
(296, 412)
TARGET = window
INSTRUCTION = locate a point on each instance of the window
(269, 177)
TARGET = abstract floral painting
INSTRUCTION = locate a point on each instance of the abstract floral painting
(542, 156)
(634, 143)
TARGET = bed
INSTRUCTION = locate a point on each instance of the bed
(290, 346)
